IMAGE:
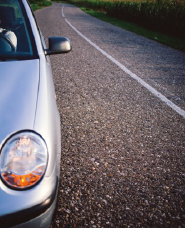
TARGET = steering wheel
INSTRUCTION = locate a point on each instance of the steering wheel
(6, 44)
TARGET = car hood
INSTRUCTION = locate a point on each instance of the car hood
(19, 81)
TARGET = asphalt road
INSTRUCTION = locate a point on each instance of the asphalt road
(123, 149)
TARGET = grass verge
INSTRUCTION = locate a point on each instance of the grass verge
(40, 5)
(159, 37)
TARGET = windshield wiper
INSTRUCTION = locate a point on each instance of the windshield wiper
(5, 59)
(10, 56)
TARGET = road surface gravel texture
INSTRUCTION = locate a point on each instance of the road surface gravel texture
(123, 149)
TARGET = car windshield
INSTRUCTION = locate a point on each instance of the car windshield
(16, 39)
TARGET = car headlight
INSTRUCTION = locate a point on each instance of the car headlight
(23, 160)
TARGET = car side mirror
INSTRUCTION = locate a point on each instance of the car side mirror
(58, 45)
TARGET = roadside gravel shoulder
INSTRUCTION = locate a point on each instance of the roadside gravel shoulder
(123, 151)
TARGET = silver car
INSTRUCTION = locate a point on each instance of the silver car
(30, 144)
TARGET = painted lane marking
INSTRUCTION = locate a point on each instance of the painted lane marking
(132, 75)
(63, 11)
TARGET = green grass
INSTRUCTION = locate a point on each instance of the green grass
(39, 5)
(35, 6)
(159, 37)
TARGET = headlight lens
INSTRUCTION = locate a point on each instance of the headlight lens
(23, 160)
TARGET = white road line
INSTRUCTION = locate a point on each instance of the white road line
(132, 75)
(63, 11)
